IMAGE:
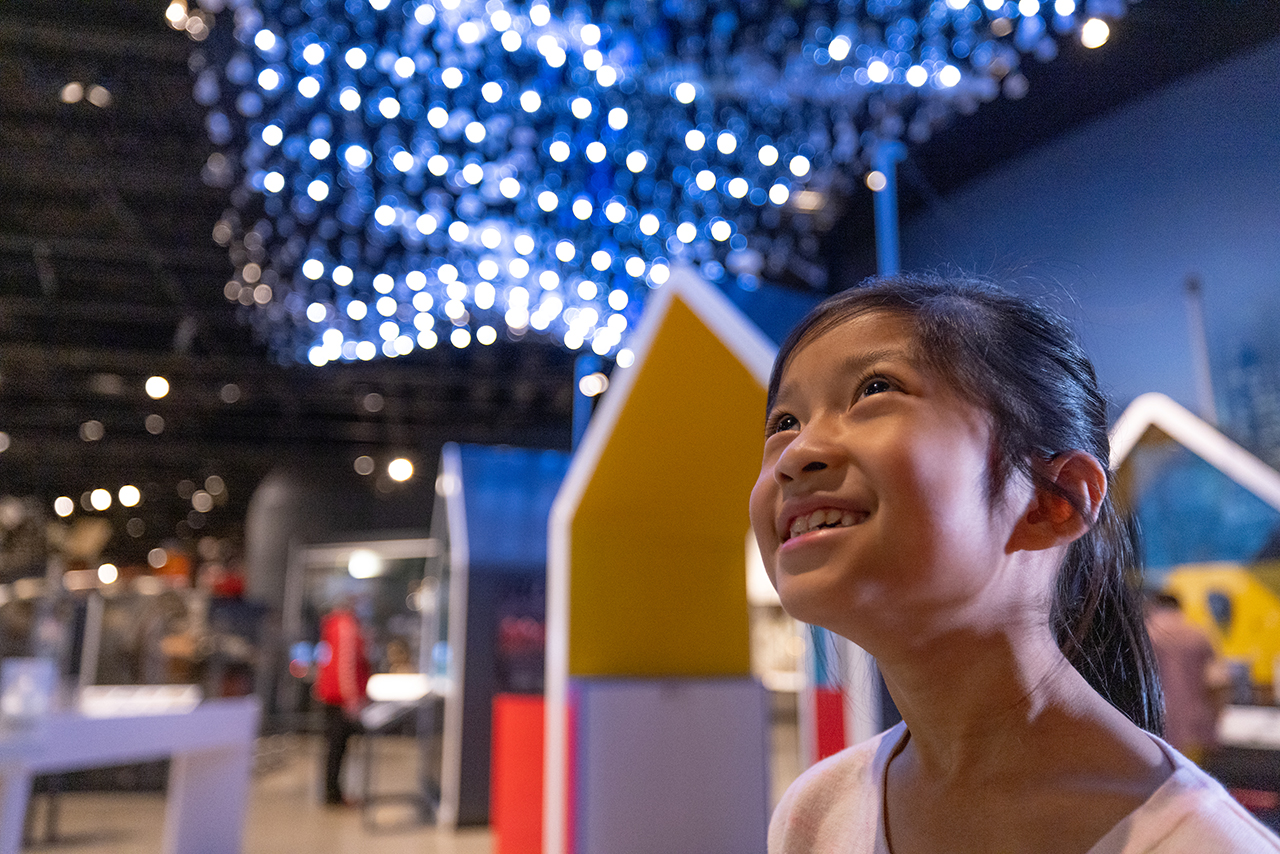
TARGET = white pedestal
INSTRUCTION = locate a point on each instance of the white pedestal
(211, 748)
(679, 766)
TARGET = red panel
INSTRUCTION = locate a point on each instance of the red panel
(515, 809)
(571, 775)
(1255, 799)
(828, 707)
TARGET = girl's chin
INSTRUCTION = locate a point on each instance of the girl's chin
(833, 602)
(808, 597)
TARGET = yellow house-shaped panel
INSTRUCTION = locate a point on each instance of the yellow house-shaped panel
(656, 586)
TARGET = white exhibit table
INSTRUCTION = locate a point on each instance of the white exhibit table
(1256, 727)
(211, 748)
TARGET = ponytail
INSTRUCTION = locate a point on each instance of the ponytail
(1098, 621)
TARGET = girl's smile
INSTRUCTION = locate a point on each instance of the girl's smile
(823, 517)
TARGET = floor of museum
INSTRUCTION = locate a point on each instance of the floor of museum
(285, 815)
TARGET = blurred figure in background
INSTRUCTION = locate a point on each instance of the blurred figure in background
(399, 659)
(1192, 674)
(342, 672)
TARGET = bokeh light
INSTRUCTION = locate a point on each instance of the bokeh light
(400, 469)
(421, 142)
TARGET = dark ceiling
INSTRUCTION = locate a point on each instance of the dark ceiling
(109, 273)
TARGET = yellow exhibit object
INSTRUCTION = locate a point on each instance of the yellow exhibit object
(645, 560)
(1252, 633)
(656, 565)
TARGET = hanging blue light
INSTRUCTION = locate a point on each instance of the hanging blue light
(426, 171)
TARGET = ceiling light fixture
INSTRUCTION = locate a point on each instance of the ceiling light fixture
(476, 140)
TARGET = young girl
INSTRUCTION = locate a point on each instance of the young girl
(935, 489)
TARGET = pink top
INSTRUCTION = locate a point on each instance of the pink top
(835, 807)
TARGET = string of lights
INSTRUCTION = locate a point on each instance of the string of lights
(412, 172)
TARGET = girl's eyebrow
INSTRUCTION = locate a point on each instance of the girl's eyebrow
(855, 364)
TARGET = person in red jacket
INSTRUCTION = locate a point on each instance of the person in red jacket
(343, 670)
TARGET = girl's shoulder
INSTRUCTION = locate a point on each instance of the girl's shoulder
(836, 800)
(1190, 813)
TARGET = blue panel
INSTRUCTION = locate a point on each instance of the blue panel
(1190, 512)
(774, 309)
(508, 493)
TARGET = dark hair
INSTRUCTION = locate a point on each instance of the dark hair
(1022, 363)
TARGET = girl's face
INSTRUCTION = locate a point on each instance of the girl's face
(872, 501)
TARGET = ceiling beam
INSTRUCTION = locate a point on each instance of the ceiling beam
(36, 174)
(43, 39)
(125, 250)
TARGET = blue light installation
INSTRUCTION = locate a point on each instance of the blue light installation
(416, 172)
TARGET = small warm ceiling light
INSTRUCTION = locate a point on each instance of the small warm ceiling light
(176, 14)
(363, 464)
(593, 384)
(400, 469)
(107, 573)
(157, 558)
(201, 501)
(63, 506)
(72, 92)
(364, 564)
(100, 499)
(808, 201)
(197, 28)
(155, 424)
(4, 441)
(157, 387)
(92, 431)
(1094, 33)
(129, 495)
(876, 181)
(99, 96)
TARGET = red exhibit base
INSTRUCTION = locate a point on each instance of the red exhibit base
(828, 707)
(515, 811)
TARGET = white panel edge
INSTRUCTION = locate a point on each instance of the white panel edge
(1196, 435)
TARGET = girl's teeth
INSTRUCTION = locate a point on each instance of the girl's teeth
(820, 518)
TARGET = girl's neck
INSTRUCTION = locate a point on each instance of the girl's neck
(1008, 742)
(969, 699)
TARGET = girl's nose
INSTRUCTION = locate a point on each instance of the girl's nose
(809, 452)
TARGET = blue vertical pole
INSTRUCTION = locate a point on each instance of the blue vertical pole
(885, 159)
(585, 365)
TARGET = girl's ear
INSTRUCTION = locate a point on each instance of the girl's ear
(1050, 519)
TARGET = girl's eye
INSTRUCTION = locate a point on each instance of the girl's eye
(783, 422)
(876, 385)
